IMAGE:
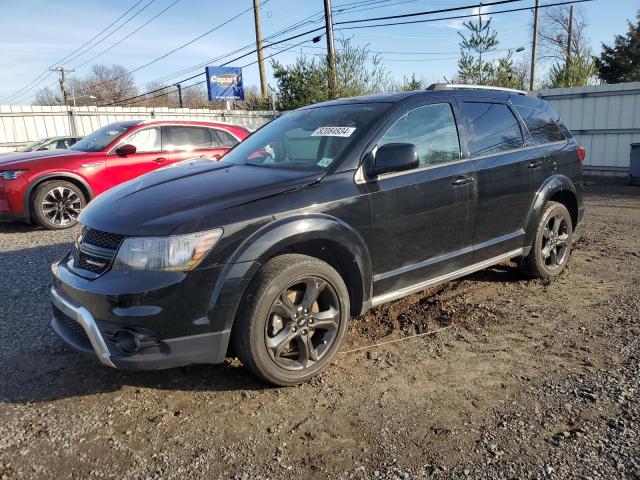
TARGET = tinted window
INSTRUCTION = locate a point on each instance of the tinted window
(145, 140)
(224, 139)
(491, 127)
(432, 129)
(312, 139)
(541, 124)
(185, 138)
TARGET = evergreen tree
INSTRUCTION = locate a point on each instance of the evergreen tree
(621, 63)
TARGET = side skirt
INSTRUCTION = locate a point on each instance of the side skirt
(403, 292)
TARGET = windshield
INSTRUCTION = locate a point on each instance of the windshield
(312, 139)
(33, 146)
(96, 141)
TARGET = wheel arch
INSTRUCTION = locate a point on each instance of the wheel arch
(77, 180)
(320, 236)
(557, 188)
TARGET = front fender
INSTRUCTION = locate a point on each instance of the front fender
(278, 236)
(549, 188)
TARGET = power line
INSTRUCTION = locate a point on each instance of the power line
(429, 12)
(68, 60)
(204, 81)
(226, 63)
(157, 59)
(46, 72)
(129, 35)
(460, 16)
(466, 7)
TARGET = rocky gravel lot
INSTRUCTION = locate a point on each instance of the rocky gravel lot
(531, 380)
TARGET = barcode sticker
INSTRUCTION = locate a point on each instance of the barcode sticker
(333, 131)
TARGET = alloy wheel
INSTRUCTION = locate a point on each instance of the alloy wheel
(303, 323)
(61, 206)
(555, 242)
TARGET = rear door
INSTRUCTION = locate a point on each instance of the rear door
(546, 138)
(149, 156)
(495, 141)
(422, 219)
(182, 142)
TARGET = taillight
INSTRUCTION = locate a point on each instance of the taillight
(581, 153)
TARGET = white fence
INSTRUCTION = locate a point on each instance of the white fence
(605, 119)
(20, 125)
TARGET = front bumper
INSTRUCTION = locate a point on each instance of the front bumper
(144, 322)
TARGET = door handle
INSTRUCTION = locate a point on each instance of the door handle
(535, 164)
(160, 160)
(461, 180)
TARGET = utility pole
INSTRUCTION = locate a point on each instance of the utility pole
(180, 94)
(63, 84)
(534, 47)
(569, 32)
(331, 55)
(263, 77)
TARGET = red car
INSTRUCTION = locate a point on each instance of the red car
(51, 187)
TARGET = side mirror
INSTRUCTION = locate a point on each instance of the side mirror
(126, 149)
(393, 157)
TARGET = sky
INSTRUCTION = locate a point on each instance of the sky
(36, 34)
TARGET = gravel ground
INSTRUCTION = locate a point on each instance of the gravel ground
(531, 380)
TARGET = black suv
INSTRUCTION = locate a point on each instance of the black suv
(323, 213)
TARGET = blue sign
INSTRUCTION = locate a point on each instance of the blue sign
(225, 83)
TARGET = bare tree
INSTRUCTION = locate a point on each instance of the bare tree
(553, 33)
(47, 96)
(195, 97)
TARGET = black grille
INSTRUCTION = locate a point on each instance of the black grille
(92, 263)
(102, 239)
(73, 330)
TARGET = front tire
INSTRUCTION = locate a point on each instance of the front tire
(294, 320)
(551, 248)
(56, 205)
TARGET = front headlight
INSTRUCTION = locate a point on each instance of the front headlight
(11, 174)
(174, 253)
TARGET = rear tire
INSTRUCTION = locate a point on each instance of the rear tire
(552, 243)
(56, 205)
(294, 320)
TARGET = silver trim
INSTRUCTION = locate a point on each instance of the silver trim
(462, 86)
(84, 318)
(403, 292)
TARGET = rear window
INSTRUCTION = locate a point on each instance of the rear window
(541, 124)
(491, 128)
(185, 138)
(222, 138)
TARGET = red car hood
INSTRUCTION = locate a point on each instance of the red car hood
(25, 158)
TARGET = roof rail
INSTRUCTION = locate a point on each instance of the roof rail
(462, 86)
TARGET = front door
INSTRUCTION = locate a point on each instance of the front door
(149, 156)
(422, 219)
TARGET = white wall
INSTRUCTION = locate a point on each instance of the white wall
(604, 118)
(20, 125)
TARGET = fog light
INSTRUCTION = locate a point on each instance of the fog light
(126, 342)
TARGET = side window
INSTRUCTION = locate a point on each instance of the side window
(432, 129)
(185, 138)
(65, 143)
(145, 140)
(225, 139)
(541, 124)
(491, 127)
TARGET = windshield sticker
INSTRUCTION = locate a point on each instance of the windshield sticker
(333, 131)
(325, 162)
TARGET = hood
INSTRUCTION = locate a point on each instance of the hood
(159, 202)
(23, 159)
